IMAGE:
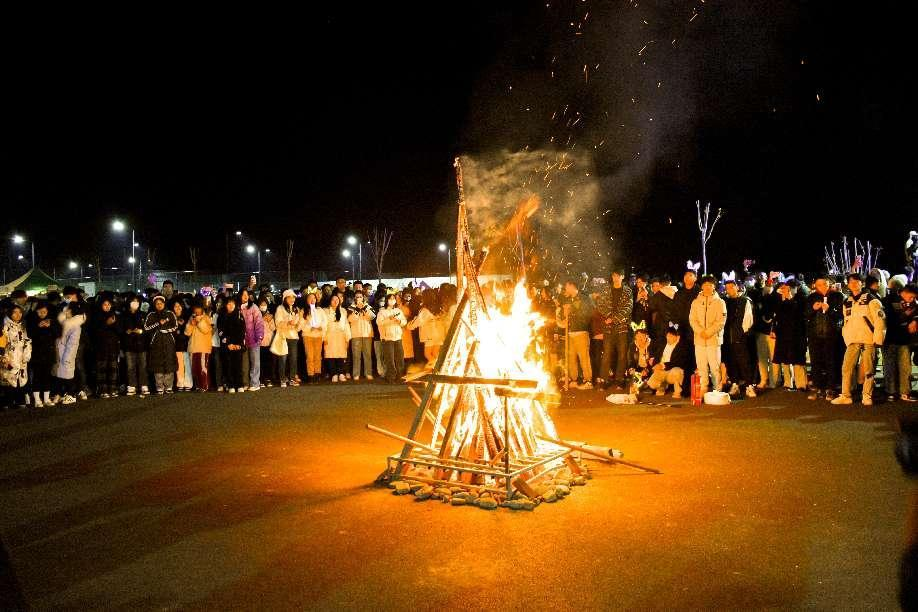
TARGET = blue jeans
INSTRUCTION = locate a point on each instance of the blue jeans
(254, 366)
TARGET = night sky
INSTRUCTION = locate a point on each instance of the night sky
(315, 126)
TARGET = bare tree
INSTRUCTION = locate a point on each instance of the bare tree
(706, 227)
(193, 253)
(378, 248)
(289, 258)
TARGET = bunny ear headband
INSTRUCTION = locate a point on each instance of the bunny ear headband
(637, 326)
(692, 266)
(728, 277)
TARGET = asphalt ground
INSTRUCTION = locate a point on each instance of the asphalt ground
(266, 501)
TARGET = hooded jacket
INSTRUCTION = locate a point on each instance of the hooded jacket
(67, 346)
(254, 325)
(361, 321)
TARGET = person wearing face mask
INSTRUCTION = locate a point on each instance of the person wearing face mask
(267, 360)
(254, 334)
(43, 329)
(391, 321)
(106, 336)
(134, 345)
(314, 325)
(160, 325)
(66, 348)
(360, 317)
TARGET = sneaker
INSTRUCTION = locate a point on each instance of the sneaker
(68, 399)
(39, 404)
(231, 390)
(82, 395)
(163, 393)
(750, 392)
(813, 396)
(283, 385)
(114, 394)
(587, 386)
(241, 389)
(356, 379)
(867, 401)
(369, 377)
(831, 395)
(891, 397)
(54, 399)
(677, 391)
(104, 395)
(734, 390)
(347, 376)
(170, 391)
(269, 384)
(905, 397)
(660, 392)
(254, 388)
(145, 390)
(842, 400)
(600, 382)
(335, 378)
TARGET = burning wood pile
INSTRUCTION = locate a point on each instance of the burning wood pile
(482, 434)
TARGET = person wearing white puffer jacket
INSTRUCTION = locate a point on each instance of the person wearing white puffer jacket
(708, 316)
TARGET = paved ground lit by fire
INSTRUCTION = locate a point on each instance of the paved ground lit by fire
(267, 502)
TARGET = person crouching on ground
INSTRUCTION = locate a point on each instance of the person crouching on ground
(671, 362)
(640, 359)
(707, 316)
(391, 321)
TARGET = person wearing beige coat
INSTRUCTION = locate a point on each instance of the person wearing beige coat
(707, 316)
(199, 330)
(314, 325)
(337, 338)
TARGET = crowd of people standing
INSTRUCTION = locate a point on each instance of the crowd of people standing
(742, 335)
(66, 348)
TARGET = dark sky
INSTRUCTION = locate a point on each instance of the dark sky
(313, 126)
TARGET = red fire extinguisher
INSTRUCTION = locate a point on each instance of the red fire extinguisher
(696, 389)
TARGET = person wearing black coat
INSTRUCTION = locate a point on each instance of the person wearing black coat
(160, 325)
(672, 362)
(790, 336)
(134, 344)
(43, 329)
(231, 330)
(823, 314)
(106, 338)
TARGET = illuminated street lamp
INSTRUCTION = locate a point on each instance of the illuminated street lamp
(449, 259)
(18, 239)
(353, 241)
(119, 226)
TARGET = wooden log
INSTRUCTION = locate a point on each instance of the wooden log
(572, 466)
(525, 488)
(453, 483)
(583, 448)
(395, 436)
(449, 379)
(547, 398)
